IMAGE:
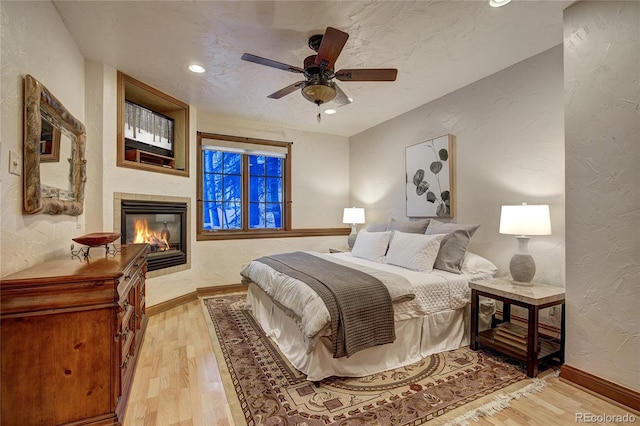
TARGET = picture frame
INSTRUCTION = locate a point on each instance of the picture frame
(430, 178)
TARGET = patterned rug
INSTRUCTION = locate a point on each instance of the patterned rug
(263, 388)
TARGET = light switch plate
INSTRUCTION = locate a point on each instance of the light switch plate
(15, 163)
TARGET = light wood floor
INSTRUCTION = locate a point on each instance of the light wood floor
(177, 382)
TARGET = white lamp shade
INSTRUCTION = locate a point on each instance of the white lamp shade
(525, 219)
(353, 215)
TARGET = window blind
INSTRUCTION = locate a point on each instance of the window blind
(244, 148)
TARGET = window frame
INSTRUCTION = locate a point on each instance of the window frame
(286, 232)
(246, 232)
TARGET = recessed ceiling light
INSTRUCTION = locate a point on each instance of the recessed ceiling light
(498, 3)
(330, 111)
(196, 68)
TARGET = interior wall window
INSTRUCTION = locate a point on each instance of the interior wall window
(244, 187)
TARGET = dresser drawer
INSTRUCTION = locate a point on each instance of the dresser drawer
(83, 314)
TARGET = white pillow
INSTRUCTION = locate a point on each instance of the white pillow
(371, 245)
(475, 264)
(414, 251)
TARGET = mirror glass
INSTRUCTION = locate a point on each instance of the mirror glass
(49, 142)
(54, 154)
(55, 174)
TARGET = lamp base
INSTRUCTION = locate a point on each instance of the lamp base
(352, 236)
(351, 240)
(522, 268)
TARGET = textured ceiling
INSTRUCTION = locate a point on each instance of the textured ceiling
(437, 47)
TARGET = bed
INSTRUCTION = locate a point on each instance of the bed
(429, 316)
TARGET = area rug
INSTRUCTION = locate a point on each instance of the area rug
(264, 389)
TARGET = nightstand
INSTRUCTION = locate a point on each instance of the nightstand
(533, 298)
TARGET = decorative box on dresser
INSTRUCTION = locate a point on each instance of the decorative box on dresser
(71, 330)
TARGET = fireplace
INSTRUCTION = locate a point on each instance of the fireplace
(162, 225)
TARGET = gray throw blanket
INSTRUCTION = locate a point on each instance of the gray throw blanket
(359, 304)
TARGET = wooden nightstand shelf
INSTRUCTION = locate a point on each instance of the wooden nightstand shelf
(534, 298)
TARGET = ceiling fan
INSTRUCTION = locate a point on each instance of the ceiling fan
(318, 70)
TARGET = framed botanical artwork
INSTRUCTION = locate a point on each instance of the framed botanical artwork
(429, 167)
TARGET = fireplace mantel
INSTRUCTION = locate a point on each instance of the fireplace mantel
(117, 224)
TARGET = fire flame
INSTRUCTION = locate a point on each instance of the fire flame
(144, 235)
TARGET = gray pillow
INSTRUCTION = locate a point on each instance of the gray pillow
(409, 226)
(377, 227)
(453, 246)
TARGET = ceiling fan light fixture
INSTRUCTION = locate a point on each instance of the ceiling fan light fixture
(319, 92)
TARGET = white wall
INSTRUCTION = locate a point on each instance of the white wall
(509, 149)
(320, 162)
(602, 94)
(320, 168)
(36, 42)
(320, 190)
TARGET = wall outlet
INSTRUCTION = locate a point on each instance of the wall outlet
(15, 163)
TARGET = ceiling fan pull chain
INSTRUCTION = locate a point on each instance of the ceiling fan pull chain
(319, 116)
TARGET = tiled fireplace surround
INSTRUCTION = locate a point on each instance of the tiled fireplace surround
(117, 217)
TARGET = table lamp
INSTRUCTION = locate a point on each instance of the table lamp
(522, 220)
(353, 216)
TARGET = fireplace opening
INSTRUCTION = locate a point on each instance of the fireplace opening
(162, 225)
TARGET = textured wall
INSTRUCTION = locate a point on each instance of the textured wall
(602, 95)
(509, 149)
(36, 42)
(320, 190)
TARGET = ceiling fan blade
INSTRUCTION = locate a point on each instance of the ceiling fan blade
(285, 91)
(368, 74)
(332, 43)
(341, 98)
(268, 62)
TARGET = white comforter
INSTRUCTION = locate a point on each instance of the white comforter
(435, 291)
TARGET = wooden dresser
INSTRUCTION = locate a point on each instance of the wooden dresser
(71, 331)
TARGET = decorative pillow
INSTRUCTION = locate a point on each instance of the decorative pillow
(371, 245)
(377, 227)
(474, 264)
(453, 246)
(414, 251)
(409, 226)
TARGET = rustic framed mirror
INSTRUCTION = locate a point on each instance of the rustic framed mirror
(50, 186)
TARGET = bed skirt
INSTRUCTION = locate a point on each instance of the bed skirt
(416, 338)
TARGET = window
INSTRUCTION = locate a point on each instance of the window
(243, 186)
(222, 190)
(244, 190)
